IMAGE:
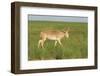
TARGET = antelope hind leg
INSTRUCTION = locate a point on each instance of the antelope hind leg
(39, 43)
(42, 43)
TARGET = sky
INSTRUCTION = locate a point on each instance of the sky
(57, 18)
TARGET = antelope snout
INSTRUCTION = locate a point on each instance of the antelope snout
(67, 35)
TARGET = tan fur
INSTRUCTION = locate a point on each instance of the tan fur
(55, 35)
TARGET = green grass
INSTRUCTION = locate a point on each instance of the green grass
(76, 46)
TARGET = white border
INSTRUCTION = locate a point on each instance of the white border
(25, 64)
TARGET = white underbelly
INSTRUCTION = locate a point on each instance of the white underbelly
(52, 38)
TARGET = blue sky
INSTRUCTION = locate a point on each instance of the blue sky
(57, 18)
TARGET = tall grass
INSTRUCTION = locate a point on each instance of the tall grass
(74, 47)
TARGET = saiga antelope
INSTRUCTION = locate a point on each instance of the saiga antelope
(55, 35)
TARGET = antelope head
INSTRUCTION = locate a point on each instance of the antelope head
(67, 33)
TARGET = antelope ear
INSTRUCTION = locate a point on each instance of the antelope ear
(64, 30)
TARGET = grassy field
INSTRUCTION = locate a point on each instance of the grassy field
(73, 48)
